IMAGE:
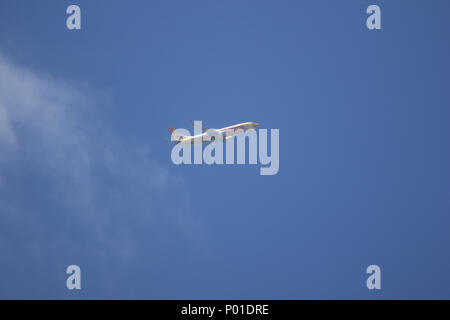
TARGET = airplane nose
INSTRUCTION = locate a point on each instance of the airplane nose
(256, 125)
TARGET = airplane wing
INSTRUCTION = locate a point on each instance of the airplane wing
(213, 135)
(208, 137)
(195, 125)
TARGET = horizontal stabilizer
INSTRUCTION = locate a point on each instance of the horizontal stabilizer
(177, 138)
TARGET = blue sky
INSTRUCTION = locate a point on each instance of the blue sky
(86, 176)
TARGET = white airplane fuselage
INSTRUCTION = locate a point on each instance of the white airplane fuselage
(224, 133)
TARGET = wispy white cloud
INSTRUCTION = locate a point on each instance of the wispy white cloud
(52, 130)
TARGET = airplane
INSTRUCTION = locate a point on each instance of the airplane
(206, 136)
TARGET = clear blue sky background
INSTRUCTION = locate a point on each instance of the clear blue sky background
(364, 149)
